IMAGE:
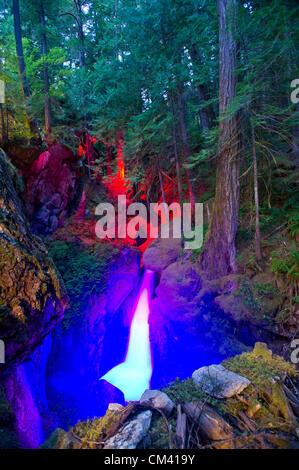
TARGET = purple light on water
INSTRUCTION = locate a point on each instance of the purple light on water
(133, 375)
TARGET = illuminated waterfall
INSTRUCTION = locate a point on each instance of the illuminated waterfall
(133, 375)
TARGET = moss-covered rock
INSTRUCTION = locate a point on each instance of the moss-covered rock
(32, 296)
(263, 405)
(90, 434)
(260, 417)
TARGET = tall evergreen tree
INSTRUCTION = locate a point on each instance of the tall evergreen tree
(22, 67)
(222, 231)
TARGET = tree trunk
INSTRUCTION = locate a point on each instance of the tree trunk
(203, 114)
(258, 251)
(218, 257)
(109, 159)
(82, 58)
(3, 127)
(45, 70)
(295, 139)
(175, 148)
(22, 68)
(186, 146)
(164, 198)
(206, 115)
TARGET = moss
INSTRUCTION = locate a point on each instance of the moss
(258, 368)
(158, 436)
(260, 298)
(13, 172)
(265, 371)
(261, 350)
(58, 440)
(264, 396)
(85, 434)
(98, 429)
(7, 255)
(186, 391)
(83, 270)
(279, 404)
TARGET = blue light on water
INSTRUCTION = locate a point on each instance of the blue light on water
(133, 375)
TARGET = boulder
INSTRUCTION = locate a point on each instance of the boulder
(51, 187)
(132, 433)
(219, 382)
(161, 253)
(177, 292)
(32, 297)
(157, 400)
(240, 299)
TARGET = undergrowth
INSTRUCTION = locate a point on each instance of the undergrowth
(83, 270)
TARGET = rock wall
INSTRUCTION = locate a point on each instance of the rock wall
(28, 423)
(87, 347)
(32, 298)
(194, 320)
(51, 187)
(32, 302)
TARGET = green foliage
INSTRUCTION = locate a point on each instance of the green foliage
(255, 294)
(97, 429)
(195, 254)
(293, 223)
(185, 391)
(287, 265)
(84, 272)
(260, 368)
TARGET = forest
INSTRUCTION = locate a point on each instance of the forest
(139, 343)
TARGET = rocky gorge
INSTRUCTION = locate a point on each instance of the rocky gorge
(66, 324)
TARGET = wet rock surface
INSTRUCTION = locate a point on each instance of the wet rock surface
(84, 346)
(161, 253)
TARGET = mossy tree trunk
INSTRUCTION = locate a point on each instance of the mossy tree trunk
(218, 258)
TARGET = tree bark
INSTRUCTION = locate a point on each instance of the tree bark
(45, 69)
(22, 68)
(163, 197)
(109, 159)
(175, 148)
(218, 257)
(203, 114)
(82, 58)
(258, 251)
(3, 127)
(206, 115)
